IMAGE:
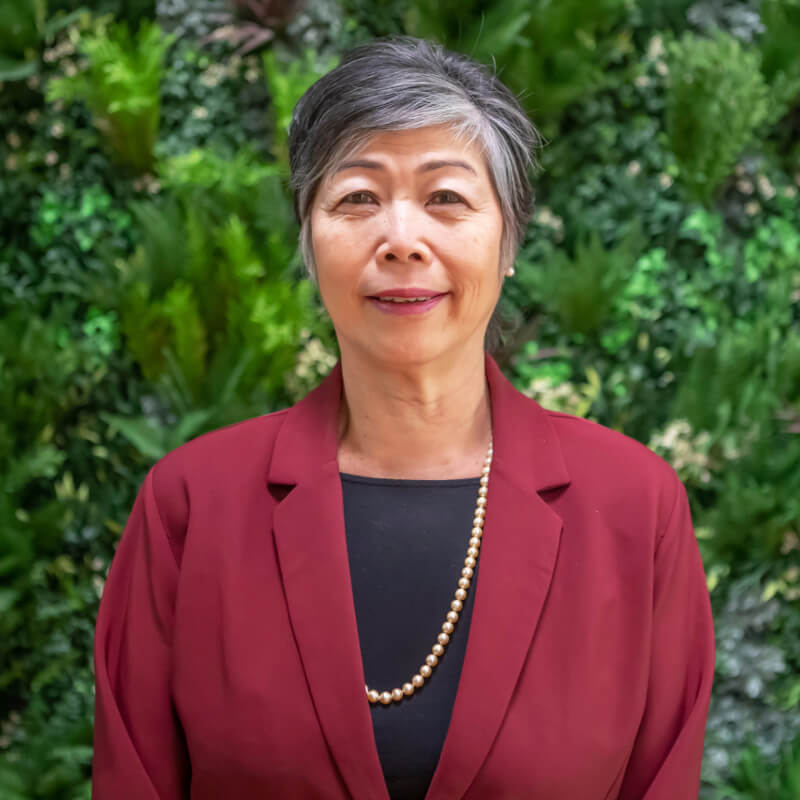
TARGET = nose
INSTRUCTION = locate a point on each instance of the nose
(401, 236)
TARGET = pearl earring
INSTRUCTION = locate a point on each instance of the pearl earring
(510, 271)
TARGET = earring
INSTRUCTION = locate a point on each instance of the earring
(510, 271)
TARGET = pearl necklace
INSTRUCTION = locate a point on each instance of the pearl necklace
(437, 651)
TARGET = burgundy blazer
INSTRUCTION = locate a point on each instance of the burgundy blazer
(227, 655)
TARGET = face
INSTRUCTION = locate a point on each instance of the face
(411, 215)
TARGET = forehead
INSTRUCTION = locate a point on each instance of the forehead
(419, 149)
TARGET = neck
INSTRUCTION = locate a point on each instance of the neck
(423, 421)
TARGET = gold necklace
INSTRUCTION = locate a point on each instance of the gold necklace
(443, 639)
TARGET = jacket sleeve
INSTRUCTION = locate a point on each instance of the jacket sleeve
(139, 748)
(668, 751)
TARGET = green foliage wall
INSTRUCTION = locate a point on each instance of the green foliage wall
(151, 289)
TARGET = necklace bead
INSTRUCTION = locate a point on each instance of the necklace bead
(467, 572)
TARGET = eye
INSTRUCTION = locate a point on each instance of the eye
(349, 198)
(452, 197)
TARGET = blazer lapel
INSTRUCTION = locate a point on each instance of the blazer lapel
(309, 532)
(517, 560)
(518, 556)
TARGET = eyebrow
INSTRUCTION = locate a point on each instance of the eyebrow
(428, 166)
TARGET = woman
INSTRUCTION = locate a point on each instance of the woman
(293, 612)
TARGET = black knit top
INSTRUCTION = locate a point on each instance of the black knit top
(406, 542)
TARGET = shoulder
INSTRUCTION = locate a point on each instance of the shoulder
(613, 468)
(209, 461)
(240, 443)
(585, 438)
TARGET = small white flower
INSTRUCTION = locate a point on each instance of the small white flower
(634, 168)
(745, 186)
(664, 180)
(790, 542)
(213, 75)
(789, 191)
(200, 112)
(641, 81)
(13, 140)
(56, 130)
(251, 75)
(752, 208)
(32, 116)
(662, 68)
(655, 47)
(51, 158)
(765, 187)
(12, 162)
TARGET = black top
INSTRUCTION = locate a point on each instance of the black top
(406, 542)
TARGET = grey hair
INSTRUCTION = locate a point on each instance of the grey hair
(403, 82)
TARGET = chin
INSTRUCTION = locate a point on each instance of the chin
(412, 351)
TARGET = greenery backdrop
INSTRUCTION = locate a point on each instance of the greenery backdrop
(151, 290)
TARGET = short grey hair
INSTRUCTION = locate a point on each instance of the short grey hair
(403, 82)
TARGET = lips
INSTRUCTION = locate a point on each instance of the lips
(406, 294)
(406, 301)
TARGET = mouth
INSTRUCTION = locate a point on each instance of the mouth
(420, 299)
(406, 302)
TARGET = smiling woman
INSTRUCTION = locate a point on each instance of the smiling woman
(416, 582)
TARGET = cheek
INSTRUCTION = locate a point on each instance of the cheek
(480, 270)
(338, 273)
(333, 251)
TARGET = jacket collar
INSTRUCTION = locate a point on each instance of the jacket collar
(518, 555)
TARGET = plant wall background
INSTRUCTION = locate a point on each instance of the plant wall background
(151, 290)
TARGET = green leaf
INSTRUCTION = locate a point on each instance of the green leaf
(140, 432)
(8, 597)
(17, 70)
